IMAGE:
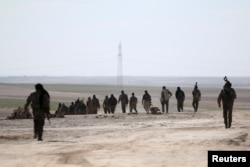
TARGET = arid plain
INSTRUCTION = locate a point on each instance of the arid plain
(174, 139)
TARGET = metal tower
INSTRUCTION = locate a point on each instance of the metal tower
(119, 74)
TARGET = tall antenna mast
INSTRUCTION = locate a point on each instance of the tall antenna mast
(119, 74)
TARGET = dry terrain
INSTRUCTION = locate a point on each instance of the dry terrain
(176, 139)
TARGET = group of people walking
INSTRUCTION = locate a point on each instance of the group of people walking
(40, 103)
(109, 103)
(180, 97)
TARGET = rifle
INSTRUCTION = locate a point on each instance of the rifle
(225, 79)
(228, 83)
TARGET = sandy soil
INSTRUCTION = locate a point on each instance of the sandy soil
(176, 139)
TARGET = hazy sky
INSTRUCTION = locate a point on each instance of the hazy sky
(159, 37)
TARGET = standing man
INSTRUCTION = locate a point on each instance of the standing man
(71, 108)
(123, 98)
(165, 96)
(112, 103)
(133, 103)
(196, 97)
(146, 101)
(227, 96)
(180, 96)
(89, 106)
(40, 104)
(95, 104)
(106, 106)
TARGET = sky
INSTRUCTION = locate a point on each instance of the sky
(158, 37)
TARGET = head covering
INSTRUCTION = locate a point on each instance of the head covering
(39, 87)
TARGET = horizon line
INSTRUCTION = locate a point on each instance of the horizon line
(176, 76)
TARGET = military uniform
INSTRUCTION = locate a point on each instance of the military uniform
(123, 98)
(106, 106)
(95, 105)
(196, 98)
(146, 101)
(227, 96)
(40, 104)
(165, 95)
(180, 96)
(71, 108)
(89, 106)
(133, 103)
(112, 103)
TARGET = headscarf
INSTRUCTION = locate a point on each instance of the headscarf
(39, 87)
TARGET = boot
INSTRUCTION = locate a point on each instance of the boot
(40, 137)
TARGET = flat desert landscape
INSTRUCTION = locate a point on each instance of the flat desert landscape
(121, 140)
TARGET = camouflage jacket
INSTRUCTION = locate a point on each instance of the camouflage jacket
(123, 98)
(196, 94)
(133, 101)
(106, 103)
(95, 103)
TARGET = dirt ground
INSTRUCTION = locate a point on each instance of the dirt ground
(177, 139)
(174, 139)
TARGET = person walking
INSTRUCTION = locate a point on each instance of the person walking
(123, 98)
(95, 104)
(196, 97)
(165, 96)
(146, 101)
(112, 103)
(106, 106)
(133, 103)
(89, 106)
(227, 96)
(40, 104)
(180, 96)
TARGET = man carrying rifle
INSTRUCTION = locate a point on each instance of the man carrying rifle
(40, 104)
(227, 96)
